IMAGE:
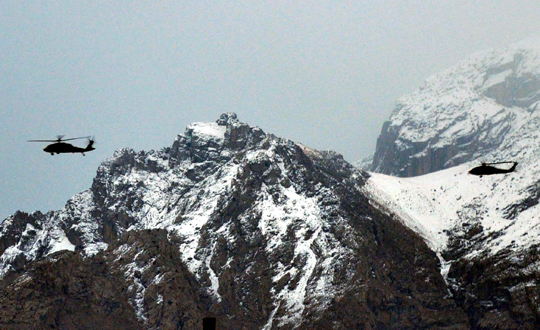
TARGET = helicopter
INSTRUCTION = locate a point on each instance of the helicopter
(61, 147)
(488, 169)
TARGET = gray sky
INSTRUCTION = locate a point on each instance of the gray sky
(135, 73)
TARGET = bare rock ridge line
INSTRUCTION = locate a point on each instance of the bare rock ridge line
(230, 222)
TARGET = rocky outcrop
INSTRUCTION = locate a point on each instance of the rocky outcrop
(67, 291)
(499, 291)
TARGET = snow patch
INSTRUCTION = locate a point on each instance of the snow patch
(209, 129)
(60, 243)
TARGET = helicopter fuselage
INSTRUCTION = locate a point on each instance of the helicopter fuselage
(485, 169)
(63, 148)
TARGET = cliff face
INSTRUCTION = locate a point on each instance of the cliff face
(231, 222)
(461, 114)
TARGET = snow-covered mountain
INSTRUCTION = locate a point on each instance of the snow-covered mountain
(265, 233)
(231, 222)
(485, 229)
(463, 113)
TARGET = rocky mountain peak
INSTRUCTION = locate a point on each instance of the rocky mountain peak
(258, 231)
(217, 141)
(227, 118)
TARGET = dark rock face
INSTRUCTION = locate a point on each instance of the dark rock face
(497, 290)
(420, 158)
(229, 222)
(66, 291)
(63, 291)
(501, 291)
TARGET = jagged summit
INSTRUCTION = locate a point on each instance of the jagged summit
(227, 118)
(219, 140)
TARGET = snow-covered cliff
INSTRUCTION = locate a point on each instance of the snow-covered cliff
(463, 113)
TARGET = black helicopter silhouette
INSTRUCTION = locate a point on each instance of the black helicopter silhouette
(60, 147)
(487, 169)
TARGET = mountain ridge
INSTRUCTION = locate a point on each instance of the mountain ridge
(262, 232)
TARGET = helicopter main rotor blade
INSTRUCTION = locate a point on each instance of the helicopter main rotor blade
(77, 138)
(499, 163)
(42, 141)
(61, 140)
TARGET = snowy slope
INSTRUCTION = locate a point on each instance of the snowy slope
(439, 204)
(484, 230)
(442, 204)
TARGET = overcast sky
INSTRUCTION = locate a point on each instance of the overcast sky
(135, 73)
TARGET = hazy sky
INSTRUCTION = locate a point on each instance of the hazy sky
(135, 73)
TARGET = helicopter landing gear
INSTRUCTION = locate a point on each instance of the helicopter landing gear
(52, 153)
